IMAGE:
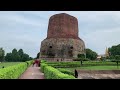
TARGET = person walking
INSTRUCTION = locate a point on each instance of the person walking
(76, 74)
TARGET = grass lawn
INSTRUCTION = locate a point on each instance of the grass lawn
(6, 64)
(96, 68)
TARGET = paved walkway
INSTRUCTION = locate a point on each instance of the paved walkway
(32, 73)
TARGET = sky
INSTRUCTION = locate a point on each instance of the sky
(26, 29)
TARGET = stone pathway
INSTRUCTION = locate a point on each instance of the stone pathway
(32, 73)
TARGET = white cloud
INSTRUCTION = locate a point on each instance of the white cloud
(99, 40)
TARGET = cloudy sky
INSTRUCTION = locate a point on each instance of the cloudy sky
(26, 29)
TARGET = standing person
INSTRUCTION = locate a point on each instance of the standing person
(76, 74)
(37, 62)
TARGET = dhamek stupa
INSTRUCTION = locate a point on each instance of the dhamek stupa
(62, 42)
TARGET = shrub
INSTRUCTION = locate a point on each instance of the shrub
(81, 59)
(52, 73)
(29, 62)
(42, 67)
(13, 72)
(43, 61)
(64, 64)
(66, 71)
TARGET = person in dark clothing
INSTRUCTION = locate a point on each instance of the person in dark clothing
(76, 74)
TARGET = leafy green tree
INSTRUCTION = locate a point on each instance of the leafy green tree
(21, 53)
(92, 55)
(15, 55)
(25, 57)
(114, 50)
(8, 57)
(2, 54)
(38, 54)
(30, 58)
(81, 57)
(117, 59)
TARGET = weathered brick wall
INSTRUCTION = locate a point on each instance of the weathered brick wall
(62, 26)
(62, 47)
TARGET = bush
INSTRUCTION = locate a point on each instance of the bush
(52, 73)
(66, 71)
(29, 62)
(64, 64)
(81, 59)
(42, 67)
(43, 61)
(13, 72)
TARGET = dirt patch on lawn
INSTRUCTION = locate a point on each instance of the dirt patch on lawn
(98, 74)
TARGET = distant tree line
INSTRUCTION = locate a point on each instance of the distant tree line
(14, 56)
(90, 54)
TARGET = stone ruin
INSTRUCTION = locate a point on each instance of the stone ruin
(62, 42)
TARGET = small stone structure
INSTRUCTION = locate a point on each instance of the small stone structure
(62, 42)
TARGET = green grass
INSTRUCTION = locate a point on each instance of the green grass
(95, 68)
(7, 64)
(85, 63)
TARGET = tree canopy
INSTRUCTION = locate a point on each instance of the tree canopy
(92, 55)
(114, 50)
(17, 56)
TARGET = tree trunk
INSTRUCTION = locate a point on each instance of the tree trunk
(81, 62)
(117, 64)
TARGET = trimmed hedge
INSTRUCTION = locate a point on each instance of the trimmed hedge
(43, 61)
(14, 72)
(52, 73)
(43, 66)
(77, 64)
(81, 59)
(66, 71)
(64, 64)
(29, 62)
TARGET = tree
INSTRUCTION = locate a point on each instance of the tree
(15, 55)
(2, 54)
(30, 58)
(117, 59)
(114, 50)
(92, 55)
(25, 57)
(81, 57)
(8, 57)
(20, 52)
(38, 55)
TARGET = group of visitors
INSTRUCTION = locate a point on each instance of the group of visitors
(36, 63)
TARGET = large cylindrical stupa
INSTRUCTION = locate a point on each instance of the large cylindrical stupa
(62, 42)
